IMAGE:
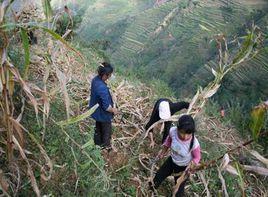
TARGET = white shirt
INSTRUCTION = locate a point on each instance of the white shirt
(180, 153)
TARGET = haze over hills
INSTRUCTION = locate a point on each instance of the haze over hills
(172, 41)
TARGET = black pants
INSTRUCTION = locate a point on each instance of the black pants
(166, 170)
(102, 135)
(154, 118)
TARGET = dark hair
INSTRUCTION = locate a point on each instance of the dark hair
(187, 124)
(105, 69)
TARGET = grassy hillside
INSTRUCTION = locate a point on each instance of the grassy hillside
(80, 168)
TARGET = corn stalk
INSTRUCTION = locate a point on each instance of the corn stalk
(226, 64)
(9, 77)
(14, 132)
(6, 102)
(247, 52)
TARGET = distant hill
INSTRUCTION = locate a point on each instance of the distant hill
(172, 41)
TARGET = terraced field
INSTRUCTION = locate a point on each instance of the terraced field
(173, 41)
(140, 32)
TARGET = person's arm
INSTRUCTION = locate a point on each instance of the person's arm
(106, 100)
(162, 152)
(152, 139)
(185, 105)
(175, 107)
(166, 146)
(182, 105)
(196, 154)
(112, 110)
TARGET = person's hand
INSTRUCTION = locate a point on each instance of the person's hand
(262, 105)
(160, 155)
(115, 111)
(152, 144)
(191, 168)
(196, 109)
(265, 104)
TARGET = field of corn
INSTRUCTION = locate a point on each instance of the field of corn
(46, 133)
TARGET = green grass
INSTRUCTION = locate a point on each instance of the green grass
(68, 159)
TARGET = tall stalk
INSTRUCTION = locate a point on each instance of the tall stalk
(6, 115)
(9, 74)
(4, 77)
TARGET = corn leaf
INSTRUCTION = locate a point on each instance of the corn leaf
(49, 164)
(4, 6)
(257, 169)
(193, 101)
(25, 42)
(24, 86)
(212, 91)
(223, 183)
(79, 117)
(11, 83)
(214, 72)
(3, 184)
(29, 168)
(257, 121)
(19, 117)
(241, 178)
(47, 9)
(10, 26)
(59, 38)
(18, 128)
(231, 170)
(63, 81)
(246, 49)
(205, 183)
(225, 162)
(89, 143)
(1, 85)
(259, 157)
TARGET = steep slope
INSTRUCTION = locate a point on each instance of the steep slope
(81, 168)
(107, 20)
(127, 170)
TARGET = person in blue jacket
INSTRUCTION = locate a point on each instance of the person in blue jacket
(104, 113)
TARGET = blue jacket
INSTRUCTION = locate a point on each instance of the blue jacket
(100, 94)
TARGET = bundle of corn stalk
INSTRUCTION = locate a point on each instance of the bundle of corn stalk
(133, 104)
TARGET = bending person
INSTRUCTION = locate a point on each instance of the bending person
(104, 113)
(163, 109)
